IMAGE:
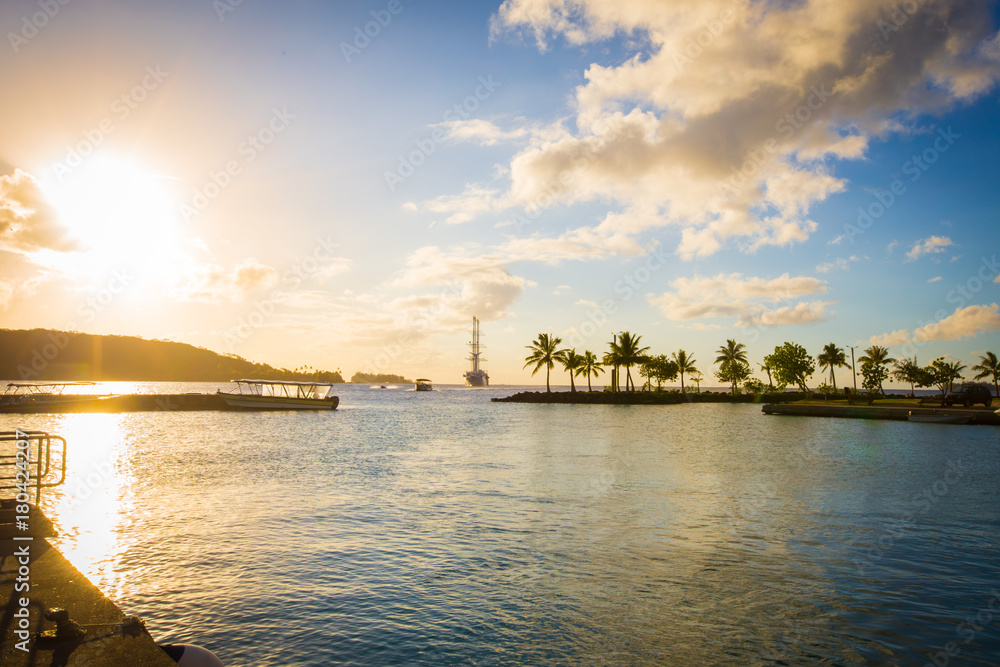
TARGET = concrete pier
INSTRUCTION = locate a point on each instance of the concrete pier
(121, 403)
(976, 415)
(35, 577)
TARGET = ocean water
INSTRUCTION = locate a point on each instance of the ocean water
(439, 528)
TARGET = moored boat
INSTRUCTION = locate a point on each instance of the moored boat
(39, 397)
(280, 395)
(938, 418)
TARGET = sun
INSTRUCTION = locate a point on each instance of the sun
(117, 211)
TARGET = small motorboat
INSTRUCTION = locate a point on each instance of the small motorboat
(423, 384)
(938, 418)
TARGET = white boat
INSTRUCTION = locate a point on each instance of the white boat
(280, 395)
(423, 384)
(476, 376)
(48, 397)
(938, 418)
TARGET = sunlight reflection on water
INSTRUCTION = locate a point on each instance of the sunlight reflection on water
(438, 528)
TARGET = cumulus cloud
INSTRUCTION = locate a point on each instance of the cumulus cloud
(725, 120)
(752, 300)
(211, 283)
(898, 337)
(28, 223)
(928, 246)
(480, 131)
(839, 264)
(6, 294)
(965, 322)
(466, 281)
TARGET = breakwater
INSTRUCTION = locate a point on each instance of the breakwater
(892, 413)
(118, 403)
(640, 397)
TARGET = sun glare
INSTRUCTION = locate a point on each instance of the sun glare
(118, 212)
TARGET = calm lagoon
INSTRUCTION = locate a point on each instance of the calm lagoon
(437, 528)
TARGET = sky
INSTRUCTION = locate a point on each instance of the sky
(346, 185)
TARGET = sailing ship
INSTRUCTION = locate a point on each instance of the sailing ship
(476, 376)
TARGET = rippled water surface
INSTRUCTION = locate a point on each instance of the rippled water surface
(438, 528)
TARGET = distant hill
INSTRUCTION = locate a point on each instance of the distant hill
(43, 354)
(379, 378)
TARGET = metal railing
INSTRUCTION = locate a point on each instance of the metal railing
(31, 465)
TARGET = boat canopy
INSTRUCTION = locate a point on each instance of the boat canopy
(42, 387)
(286, 388)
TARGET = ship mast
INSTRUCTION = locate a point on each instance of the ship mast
(476, 348)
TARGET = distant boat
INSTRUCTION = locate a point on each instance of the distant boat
(938, 418)
(423, 384)
(476, 376)
(280, 395)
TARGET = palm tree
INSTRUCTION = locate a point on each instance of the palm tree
(730, 354)
(572, 362)
(908, 370)
(988, 367)
(685, 364)
(544, 353)
(766, 367)
(832, 357)
(589, 366)
(631, 354)
(697, 377)
(945, 373)
(877, 356)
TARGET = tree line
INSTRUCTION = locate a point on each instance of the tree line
(790, 364)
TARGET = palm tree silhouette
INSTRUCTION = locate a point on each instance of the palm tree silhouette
(988, 367)
(730, 354)
(572, 362)
(766, 367)
(631, 354)
(879, 356)
(685, 364)
(589, 366)
(907, 370)
(544, 353)
(832, 357)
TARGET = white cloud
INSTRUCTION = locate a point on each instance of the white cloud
(210, 283)
(28, 223)
(928, 246)
(898, 337)
(725, 135)
(481, 131)
(750, 299)
(840, 264)
(934, 279)
(965, 322)
(801, 313)
(470, 284)
(6, 294)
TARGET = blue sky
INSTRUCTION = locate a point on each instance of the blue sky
(258, 179)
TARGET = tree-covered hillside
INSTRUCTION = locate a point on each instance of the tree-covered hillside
(42, 354)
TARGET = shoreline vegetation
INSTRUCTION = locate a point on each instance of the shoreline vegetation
(52, 355)
(672, 397)
(790, 365)
(379, 378)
